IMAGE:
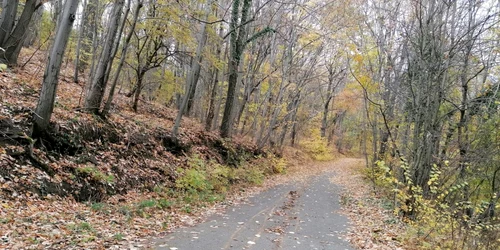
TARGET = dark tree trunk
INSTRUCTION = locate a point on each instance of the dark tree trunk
(33, 33)
(14, 41)
(137, 93)
(7, 19)
(237, 43)
(211, 104)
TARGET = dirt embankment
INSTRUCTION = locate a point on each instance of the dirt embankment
(90, 158)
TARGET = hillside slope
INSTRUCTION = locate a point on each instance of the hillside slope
(55, 191)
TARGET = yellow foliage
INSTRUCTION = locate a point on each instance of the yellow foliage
(317, 147)
(434, 224)
(279, 165)
(169, 85)
(310, 39)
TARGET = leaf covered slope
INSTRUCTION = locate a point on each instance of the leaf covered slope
(100, 182)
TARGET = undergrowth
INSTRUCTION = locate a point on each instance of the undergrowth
(435, 221)
(208, 181)
(317, 147)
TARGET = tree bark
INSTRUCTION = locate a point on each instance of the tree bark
(33, 32)
(79, 42)
(238, 34)
(96, 93)
(193, 76)
(14, 41)
(326, 110)
(196, 65)
(45, 105)
(211, 104)
(137, 93)
(7, 19)
(107, 106)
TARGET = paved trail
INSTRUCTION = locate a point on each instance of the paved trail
(299, 215)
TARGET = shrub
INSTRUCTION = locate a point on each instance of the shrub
(254, 176)
(193, 180)
(435, 220)
(278, 165)
(317, 147)
(219, 176)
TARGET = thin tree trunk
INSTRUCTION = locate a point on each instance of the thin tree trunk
(268, 100)
(107, 106)
(116, 44)
(45, 105)
(193, 76)
(218, 107)
(274, 117)
(79, 42)
(96, 93)
(211, 104)
(196, 65)
(95, 38)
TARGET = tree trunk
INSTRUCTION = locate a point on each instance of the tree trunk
(14, 40)
(7, 19)
(289, 118)
(90, 52)
(211, 104)
(116, 45)
(107, 106)
(218, 106)
(193, 76)
(79, 42)
(33, 33)
(274, 116)
(96, 93)
(326, 107)
(196, 65)
(57, 8)
(137, 93)
(267, 102)
(237, 47)
(89, 31)
(45, 105)
(215, 86)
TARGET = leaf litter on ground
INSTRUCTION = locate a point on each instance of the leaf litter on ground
(371, 225)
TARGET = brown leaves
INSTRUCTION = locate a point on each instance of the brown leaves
(373, 227)
(112, 162)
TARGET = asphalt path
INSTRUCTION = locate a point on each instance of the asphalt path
(299, 215)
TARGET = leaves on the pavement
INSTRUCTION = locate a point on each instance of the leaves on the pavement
(372, 226)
